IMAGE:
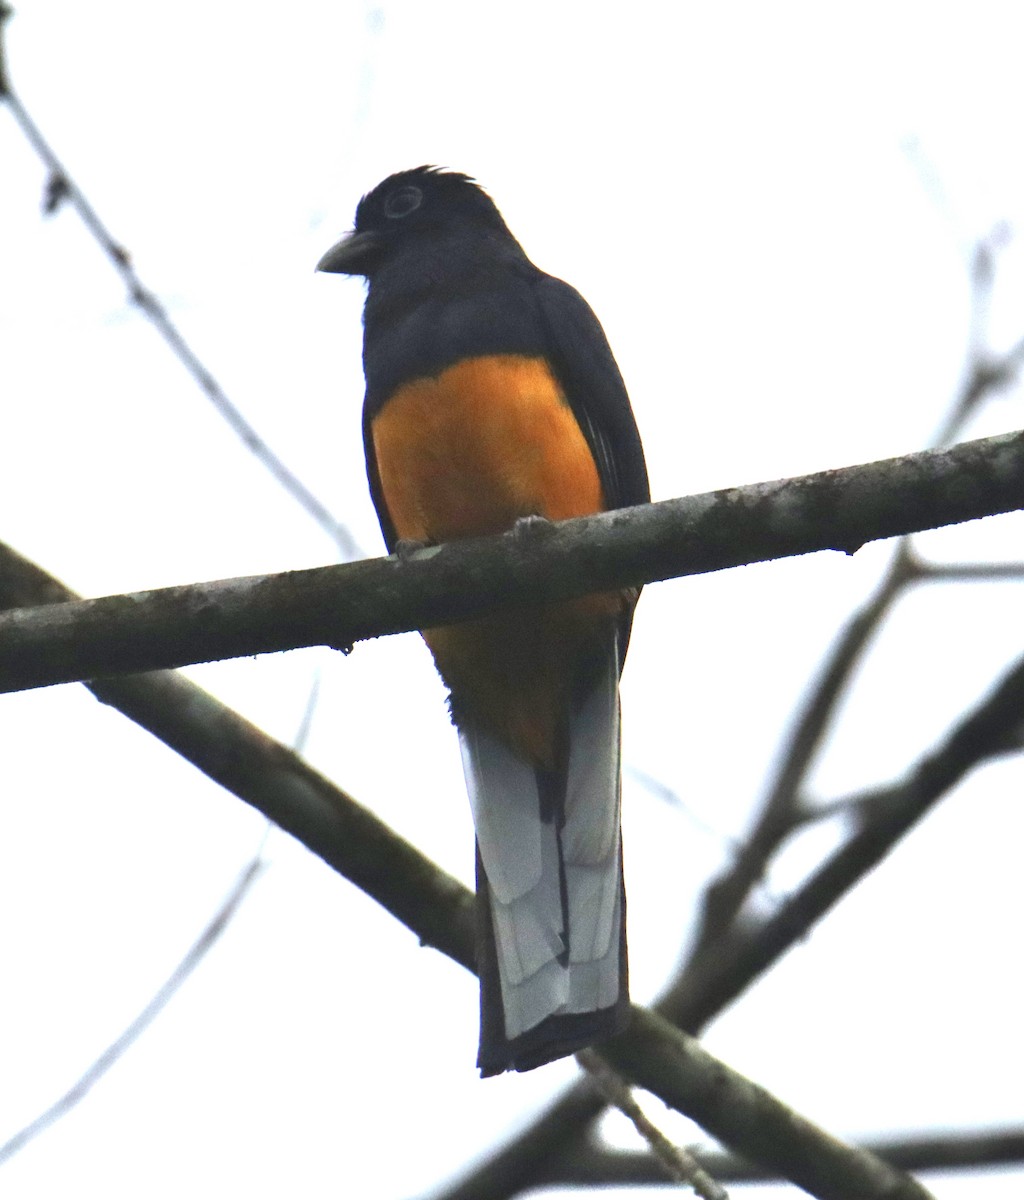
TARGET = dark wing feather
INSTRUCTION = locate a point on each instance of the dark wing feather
(586, 368)
(590, 378)
(373, 477)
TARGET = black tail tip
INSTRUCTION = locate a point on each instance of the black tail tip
(554, 1038)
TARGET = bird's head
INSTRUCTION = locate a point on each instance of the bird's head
(408, 208)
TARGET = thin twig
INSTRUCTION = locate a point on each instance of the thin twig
(196, 953)
(309, 712)
(211, 933)
(674, 1160)
(782, 809)
(781, 812)
(675, 1067)
(970, 572)
(980, 735)
(6, 12)
(660, 790)
(62, 187)
(596, 1165)
(986, 373)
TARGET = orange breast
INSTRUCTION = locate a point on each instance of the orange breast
(467, 453)
(487, 441)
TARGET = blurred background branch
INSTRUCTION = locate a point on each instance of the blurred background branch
(62, 189)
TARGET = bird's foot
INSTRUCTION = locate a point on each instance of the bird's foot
(406, 548)
(530, 526)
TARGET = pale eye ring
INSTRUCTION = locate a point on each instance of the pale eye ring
(403, 201)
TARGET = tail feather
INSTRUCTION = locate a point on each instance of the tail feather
(524, 883)
(591, 838)
(549, 876)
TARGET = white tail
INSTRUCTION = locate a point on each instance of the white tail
(554, 907)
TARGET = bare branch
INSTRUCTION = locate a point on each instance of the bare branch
(277, 782)
(674, 1066)
(995, 572)
(339, 605)
(62, 188)
(986, 373)
(781, 812)
(6, 12)
(948, 1151)
(273, 779)
(210, 934)
(982, 734)
(196, 953)
(673, 1160)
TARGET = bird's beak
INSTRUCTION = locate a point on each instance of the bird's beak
(353, 255)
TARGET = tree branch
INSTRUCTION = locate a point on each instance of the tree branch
(276, 781)
(725, 896)
(268, 775)
(675, 1067)
(980, 735)
(781, 809)
(674, 1161)
(340, 605)
(595, 1165)
(157, 1003)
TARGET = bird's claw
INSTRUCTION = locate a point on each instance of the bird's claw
(406, 548)
(531, 525)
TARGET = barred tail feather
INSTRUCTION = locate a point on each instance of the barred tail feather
(552, 946)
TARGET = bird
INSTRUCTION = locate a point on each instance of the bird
(493, 400)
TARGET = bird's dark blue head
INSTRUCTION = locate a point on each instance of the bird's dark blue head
(424, 206)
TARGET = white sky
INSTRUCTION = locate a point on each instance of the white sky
(772, 209)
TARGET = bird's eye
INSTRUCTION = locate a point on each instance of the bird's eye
(403, 201)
